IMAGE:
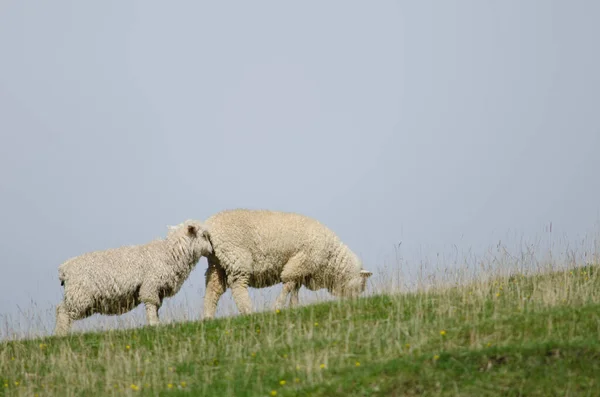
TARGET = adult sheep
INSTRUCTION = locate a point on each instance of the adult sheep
(117, 280)
(260, 248)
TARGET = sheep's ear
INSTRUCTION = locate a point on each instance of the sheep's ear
(192, 230)
(206, 234)
(365, 273)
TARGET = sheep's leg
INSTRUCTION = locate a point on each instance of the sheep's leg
(152, 313)
(215, 287)
(294, 296)
(292, 275)
(63, 320)
(241, 297)
(288, 288)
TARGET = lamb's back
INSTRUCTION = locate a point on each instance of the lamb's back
(121, 265)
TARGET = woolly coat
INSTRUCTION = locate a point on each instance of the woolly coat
(261, 248)
(115, 281)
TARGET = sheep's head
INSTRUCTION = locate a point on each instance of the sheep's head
(364, 275)
(196, 234)
(355, 286)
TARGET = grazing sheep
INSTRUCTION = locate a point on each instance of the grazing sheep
(260, 248)
(117, 280)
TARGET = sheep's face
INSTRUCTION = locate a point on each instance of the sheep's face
(355, 286)
(196, 234)
(364, 275)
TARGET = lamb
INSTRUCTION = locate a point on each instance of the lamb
(117, 280)
(261, 248)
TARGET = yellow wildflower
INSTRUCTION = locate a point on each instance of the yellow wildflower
(436, 357)
(316, 324)
(357, 364)
(443, 332)
(282, 382)
(127, 347)
(273, 392)
(183, 384)
(134, 387)
(170, 385)
(277, 311)
(322, 366)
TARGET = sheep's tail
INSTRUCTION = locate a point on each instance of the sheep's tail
(62, 277)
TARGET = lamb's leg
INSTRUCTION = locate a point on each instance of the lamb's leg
(63, 320)
(215, 287)
(152, 301)
(288, 287)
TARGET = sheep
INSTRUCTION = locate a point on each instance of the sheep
(261, 248)
(115, 281)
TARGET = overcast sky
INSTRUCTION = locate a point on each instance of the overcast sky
(431, 123)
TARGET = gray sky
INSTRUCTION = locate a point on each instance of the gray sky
(431, 123)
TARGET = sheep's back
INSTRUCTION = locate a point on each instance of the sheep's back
(269, 238)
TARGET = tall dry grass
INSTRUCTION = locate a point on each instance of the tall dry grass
(496, 299)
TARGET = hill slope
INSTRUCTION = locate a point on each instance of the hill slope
(537, 335)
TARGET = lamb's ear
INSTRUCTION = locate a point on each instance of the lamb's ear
(365, 273)
(192, 231)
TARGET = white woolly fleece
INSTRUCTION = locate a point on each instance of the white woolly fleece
(115, 281)
(260, 248)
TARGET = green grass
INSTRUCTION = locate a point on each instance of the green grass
(513, 336)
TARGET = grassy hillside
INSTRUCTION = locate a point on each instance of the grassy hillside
(537, 335)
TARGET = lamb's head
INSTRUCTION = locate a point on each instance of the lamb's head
(195, 234)
(354, 286)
